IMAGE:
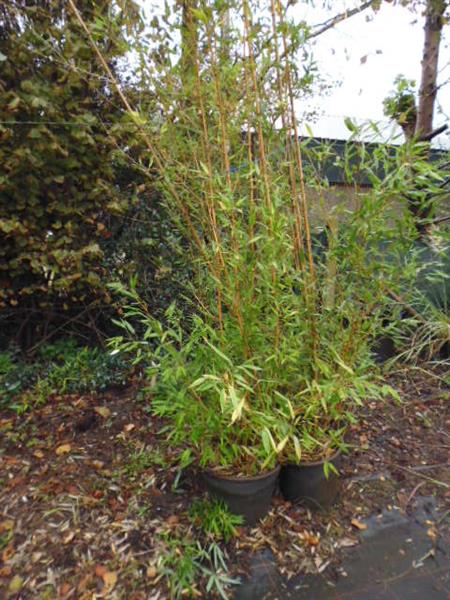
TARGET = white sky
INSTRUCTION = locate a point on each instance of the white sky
(397, 35)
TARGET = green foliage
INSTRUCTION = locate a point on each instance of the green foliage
(141, 460)
(401, 104)
(59, 198)
(240, 414)
(274, 355)
(59, 368)
(57, 352)
(15, 377)
(86, 370)
(425, 335)
(184, 562)
(187, 366)
(214, 518)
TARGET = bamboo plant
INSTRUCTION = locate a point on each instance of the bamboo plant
(274, 357)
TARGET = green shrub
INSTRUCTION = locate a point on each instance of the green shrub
(15, 377)
(59, 368)
(58, 182)
(86, 370)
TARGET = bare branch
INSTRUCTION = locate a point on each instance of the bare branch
(330, 23)
(433, 134)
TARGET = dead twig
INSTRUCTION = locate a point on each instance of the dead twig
(339, 18)
(419, 474)
(413, 493)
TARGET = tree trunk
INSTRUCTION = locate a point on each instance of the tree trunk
(423, 130)
(427, 94)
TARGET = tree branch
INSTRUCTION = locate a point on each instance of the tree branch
(429, 136)
(341, 17)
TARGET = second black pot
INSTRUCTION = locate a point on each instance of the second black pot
(306, 483)
(249, 497)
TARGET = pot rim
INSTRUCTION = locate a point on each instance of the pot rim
(315, 463)
(243, 478)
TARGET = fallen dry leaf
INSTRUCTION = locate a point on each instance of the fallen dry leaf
(110, 579)
(100, 570)
(5, 571)
(11, 460)
(8, 552)
(358, 524)
(84, 583)
(173, 520)
(64, 589)
(103, 411)
(38, 454)
(63, 449)
(80, 403)
(347, 542)
(310, 538)
(69, 537)
(129, 427)
(15, 482)
(97, 464)
(151, 572)
(6, 525)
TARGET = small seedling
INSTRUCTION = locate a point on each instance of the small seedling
(185, 562)
(214, 518)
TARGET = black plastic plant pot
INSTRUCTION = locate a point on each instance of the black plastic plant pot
(307, 484)
(249, 497)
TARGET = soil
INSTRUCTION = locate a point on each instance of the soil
(88, 495)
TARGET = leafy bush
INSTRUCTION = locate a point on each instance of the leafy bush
(86, 370)
(423, 332)
(238, 413)
(15, 377)
(66, 184)
(59, 368)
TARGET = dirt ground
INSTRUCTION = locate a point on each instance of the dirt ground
(88, 498)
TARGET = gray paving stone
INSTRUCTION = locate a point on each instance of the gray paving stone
(393, 562)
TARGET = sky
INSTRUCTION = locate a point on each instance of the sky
(366, 56)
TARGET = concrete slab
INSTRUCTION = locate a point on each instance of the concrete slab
(396, 560)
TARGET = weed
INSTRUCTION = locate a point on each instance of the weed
(214, 518)
(6, 364)
(6, 538)
(185, 562)
(143, 510)
(140, 461)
